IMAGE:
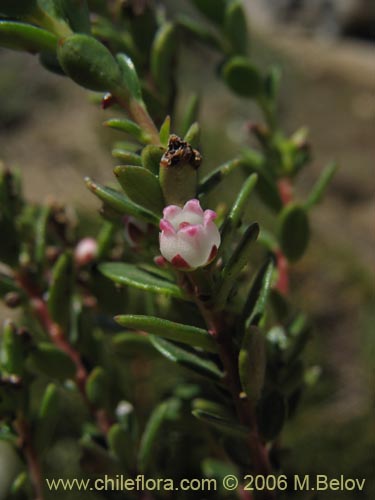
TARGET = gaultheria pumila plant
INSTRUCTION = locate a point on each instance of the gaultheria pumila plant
(166, 344)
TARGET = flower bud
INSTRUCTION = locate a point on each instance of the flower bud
(178, 171)
(86, 251)
(189, 237)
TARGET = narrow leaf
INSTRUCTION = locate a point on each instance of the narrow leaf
(165, 131)
(50, 360)
(162, 52)
(242, 77)
(218, 174)
(321, 185)
(130, 77)
(257, 299)
(237, 262)
(128, 126)
(127, 274)
(187, 359)
(60, 291)
(186, 334)
(127, 157)
(120, 203)
(223, 425)
(236, 27)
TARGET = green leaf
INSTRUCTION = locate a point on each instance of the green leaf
(162, 52)
(165, 131)
(233, 219)
(152, 435)
(127, 274)
(130, 344)
(236, 27)
(127, 157)
(130, 77)
(60, 291)
(257, 299)
(294, 231)
(142, 187)
(186, 334)
(89, 63)
(105, 239)
(299, 333)
(192, 136)
(224, 425)
(266, 186)
(41, 236)
(321, 185)
(271, 414)
(218, 174)
(48, 416)
(50, 360)
(24, 37)
(272, 83)
(237, 262)
(252, 363)
(190, 113)
(243, 77)
(98, 387)
(78, 15)
(120, 443)
(200, 31)
(187, 359)
(214, 10)
(128, 126)
(13, 349)
(120, 203)
(151, 156)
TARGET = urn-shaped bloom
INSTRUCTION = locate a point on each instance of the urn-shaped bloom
(189, 237)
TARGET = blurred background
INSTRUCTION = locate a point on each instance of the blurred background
(325, 49)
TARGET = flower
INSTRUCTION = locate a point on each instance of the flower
(189, 238)
(86, 251)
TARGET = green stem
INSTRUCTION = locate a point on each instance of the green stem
(41, 18)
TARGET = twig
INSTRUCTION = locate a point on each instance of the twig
(58, 337)
(25, 442)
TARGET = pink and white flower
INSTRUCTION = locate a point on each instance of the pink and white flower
(85, 252)
(189, 237)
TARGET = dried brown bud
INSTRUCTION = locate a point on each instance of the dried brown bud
(180, 153)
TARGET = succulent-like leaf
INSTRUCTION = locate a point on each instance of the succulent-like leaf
(25, 37)
(128, 126)
(89, 63)
(142, 187)
(130, 76)
(151, 156)
(98, 387)
(190, 113)
(243, 77)
(294, 231)
(165, 130)
(214, 10)
(223, 425)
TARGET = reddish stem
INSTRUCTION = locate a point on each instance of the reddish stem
(282, 284)
(58, 337)
(285, 188)
(32, 460)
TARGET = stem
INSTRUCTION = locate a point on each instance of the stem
(139, 114)
(23, 430)
(41, 18)
(58, 337)
(215, 322)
